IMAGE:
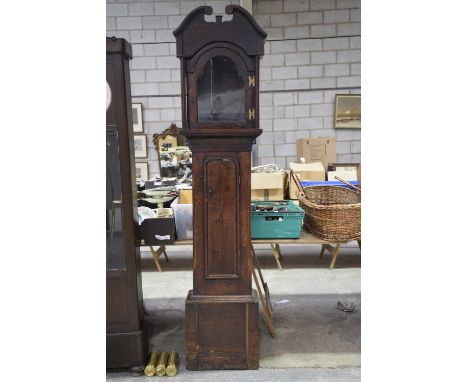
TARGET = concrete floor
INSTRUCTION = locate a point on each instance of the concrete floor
(316, 341)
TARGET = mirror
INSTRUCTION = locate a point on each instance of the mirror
(174, 156)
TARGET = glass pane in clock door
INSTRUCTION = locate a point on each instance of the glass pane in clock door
(221, 92)
(115, 254)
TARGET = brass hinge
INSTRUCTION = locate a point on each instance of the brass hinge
(251, 114)
(251, 80)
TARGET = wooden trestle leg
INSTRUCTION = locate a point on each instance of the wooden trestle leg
(265, 300)
(156, 254)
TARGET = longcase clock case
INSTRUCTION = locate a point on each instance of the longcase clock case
(125, 329)
(219, 77)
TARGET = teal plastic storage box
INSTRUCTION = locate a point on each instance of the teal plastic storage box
(283, 220)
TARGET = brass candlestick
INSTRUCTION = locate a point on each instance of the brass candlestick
(161, 365)
(171, 368)
(150, 369)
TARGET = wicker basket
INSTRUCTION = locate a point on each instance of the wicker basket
(331, 212)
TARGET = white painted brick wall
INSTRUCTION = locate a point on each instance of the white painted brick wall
(296, 32)
(335, 43)
(155, 22)
(283, 46)
(297, 59)
(323, 57)
(284, 72)
(142, 36)
(299, 76)
(309, 45)
(296, 5)
(167, 8)
(322, 4)
(282, 20)
(310, 71)
(116, 10)
(323, 30)
(338, 16)
(129, 23)
(141, 9)
(309, 18)
(323, 83)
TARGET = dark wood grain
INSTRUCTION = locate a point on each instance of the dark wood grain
(222, 218)
(222, 309)
(126, 339)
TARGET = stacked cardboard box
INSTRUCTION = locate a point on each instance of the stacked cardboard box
(321, 149)
(268, 186)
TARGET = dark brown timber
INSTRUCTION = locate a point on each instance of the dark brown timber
(220, 73)
(125, 330)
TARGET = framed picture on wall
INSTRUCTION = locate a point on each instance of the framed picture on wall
(141, 170)
(140, 145)
(137, 115)
(348, 111)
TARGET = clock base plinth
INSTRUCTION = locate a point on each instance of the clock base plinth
(127, 350)
(222, 332)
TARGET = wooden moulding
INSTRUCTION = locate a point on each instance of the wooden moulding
(229, 336)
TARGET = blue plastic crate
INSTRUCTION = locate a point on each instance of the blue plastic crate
(330, 183)
(283, 224)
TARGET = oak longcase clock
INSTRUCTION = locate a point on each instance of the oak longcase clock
(125, 334)
(220, 99)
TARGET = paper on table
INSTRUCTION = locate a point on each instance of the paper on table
(145, 213)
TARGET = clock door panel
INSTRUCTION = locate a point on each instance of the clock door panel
(221, 214)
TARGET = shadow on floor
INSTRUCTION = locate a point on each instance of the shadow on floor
(312, 332)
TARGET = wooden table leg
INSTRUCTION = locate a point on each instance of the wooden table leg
(334, 256)
(279, 252)
(266, 311)
(165, 254)
(276, 255)
(334, 250)
(322, 251)
(156, 255)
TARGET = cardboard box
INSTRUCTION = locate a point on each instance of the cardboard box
(185, 196)
(321, 149)
(267, 186)
(304, 171)
(347, 167)
(343, 174)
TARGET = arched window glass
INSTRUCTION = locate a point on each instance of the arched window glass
(221, 92)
